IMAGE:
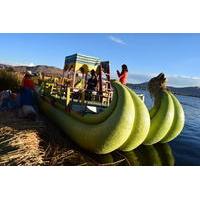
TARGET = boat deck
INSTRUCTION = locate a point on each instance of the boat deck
(87, 106)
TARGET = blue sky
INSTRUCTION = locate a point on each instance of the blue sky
(177, 55)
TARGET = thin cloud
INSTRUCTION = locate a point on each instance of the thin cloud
(31, 64)
(116, 40)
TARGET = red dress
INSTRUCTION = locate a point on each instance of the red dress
(123, 77)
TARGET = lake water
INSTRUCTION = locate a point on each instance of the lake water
(186, 147)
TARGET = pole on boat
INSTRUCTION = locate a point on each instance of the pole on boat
(100, 82)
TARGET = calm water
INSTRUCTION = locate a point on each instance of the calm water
(186, 147)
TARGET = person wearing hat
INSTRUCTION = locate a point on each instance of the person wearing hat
(26, 96)
(123, 75)
(27, 82)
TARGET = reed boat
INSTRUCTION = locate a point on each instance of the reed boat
(99, 121)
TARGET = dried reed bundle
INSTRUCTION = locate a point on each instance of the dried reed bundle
(20, 147)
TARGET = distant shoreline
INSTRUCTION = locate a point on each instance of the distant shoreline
(186, 95)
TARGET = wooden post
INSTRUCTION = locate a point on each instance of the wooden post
(86, 75)
(100, 83)
(74, 77)
(67, 96)
(63, 77)
(82, 97)
(108, 77)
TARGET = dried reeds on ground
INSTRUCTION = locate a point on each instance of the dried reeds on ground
(19, 141)
(33, 143)
(19, 148)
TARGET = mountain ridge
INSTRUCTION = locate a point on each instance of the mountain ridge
(34, 69)
(184, 91)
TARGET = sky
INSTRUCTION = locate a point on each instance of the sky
(146, 55)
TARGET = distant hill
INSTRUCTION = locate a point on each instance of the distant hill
(51, 70)
(38, 68)
(185, 91)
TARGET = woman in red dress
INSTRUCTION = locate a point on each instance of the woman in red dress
(123, 75)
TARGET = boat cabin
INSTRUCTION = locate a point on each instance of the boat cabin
(85, 83)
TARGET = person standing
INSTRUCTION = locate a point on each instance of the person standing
(123, 75)
(92, 82)
(91, 85)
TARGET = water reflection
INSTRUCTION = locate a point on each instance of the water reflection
(153, 155)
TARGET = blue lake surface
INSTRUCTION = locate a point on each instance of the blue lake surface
(186, 147)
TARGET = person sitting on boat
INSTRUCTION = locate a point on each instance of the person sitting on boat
(123, 75)
(91, 84)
